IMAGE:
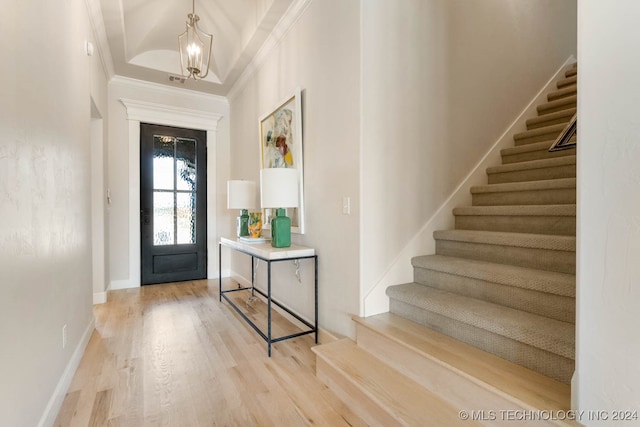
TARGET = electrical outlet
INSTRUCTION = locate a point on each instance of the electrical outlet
(64, 337)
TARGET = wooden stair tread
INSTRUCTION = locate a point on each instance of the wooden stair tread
(512, 381)
(396, 394)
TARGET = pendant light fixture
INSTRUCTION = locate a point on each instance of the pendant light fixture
(195, 48)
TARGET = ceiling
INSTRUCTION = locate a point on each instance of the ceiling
(142, 37)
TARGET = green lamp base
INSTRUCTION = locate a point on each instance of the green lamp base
(281, 230)
(243, 223)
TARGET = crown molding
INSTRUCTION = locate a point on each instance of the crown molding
(167, 90)
(151, 112)
(284, 25)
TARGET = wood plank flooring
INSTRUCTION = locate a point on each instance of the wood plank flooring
(173, 355)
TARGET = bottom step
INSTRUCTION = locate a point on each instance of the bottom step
(481, 385)
(379, 394)
(470, 377)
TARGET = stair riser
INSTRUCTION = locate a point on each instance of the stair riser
(562, 93)
(536, 155)
(561, 117)
(560, 225)
(533, 197)
(552, 365)
(458, 389)
(545, 304)
(567, 82)
(358, 401)
(548, 136)
(555, 106)
(553, 172)
(571, 72)
(542, 259)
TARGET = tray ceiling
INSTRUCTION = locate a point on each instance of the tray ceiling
(142, 37)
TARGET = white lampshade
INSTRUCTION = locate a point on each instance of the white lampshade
(279, 188)
(241, 194)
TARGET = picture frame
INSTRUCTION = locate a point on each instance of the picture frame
(280, 133)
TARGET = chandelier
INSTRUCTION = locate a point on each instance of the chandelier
(195, 48)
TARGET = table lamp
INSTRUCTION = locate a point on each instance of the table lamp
(279, 190)
(241, 195)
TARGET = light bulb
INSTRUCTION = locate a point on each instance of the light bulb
(193, 49)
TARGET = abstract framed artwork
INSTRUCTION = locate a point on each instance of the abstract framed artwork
(281, 147)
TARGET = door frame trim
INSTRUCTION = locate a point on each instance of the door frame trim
(166, 115)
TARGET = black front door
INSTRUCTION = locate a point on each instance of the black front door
(173, 204)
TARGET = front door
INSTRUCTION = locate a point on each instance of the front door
(173, 204)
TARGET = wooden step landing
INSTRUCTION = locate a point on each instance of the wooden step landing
(379, 394)
(466, 377)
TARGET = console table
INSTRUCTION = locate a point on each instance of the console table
(269, 254)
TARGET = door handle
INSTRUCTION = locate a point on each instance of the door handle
(145, 218)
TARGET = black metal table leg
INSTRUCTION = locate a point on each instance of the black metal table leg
(253, 277)
(269, 305)
(316, 296)
(220, 271)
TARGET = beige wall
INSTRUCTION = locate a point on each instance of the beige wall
(319, 54)
(45, 203)
(440, 84)
(608, 347)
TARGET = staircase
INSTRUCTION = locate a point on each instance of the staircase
(489, 322)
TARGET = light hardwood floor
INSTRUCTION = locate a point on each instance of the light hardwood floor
(173, 355)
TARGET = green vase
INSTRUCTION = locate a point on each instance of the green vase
(281, 230)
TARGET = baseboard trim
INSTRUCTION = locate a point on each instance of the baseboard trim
(99, 298)
(55, 402)
(122, 284)
(375, 300)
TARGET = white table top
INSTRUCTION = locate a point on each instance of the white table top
(266, 251)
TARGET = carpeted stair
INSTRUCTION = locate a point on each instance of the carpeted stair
(504, 279)
(487, 326)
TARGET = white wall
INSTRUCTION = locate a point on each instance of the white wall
(320, 54)
(440, 84)
(608, 347)
(45, 203)
(124, 170)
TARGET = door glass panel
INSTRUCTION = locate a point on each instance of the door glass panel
(163, 159)
(174, 184)
(163, 218)
(186, 164)
(186, 223)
